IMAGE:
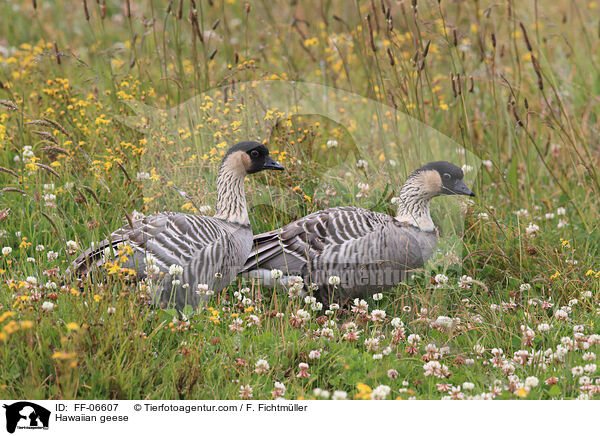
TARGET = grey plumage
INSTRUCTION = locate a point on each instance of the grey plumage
(175, 252)
(368, 251)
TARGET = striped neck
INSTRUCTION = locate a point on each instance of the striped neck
(231, 198)
(413, 205)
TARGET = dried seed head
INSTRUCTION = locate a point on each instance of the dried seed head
(538, 72)
(180, 10)
(85, 10)
(525, 37)
(9, 105)
(46, 136)
(391, 56)
(426, 49)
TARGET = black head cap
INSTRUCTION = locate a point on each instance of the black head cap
(258, 154)
(452, 178)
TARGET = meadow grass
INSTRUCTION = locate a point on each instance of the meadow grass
(515, 84)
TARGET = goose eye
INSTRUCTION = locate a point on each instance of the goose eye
(254, 153)
(447, 176)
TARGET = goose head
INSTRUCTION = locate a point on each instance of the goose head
(249, 157)
(440, 178)
(429, 181)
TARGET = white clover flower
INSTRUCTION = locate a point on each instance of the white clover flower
(549, 216)
(245, 392)
(465, 282)
(321, 393)
(577, 371)
(397, 323)
(111, 310)
(6, 251)
(413, 339)
(279, 390)
(334, 280)
(339, 395)
(315, 354)
(327, 333)
(378, 315)
(531, 382)
(309, 300)
(303, 315)
(276, 274)
(590, 368)
(39, 248)
(561, 211)
(51, 285)
(525, 287)
(380, 392)
(202, 289)
(372, 344)
(28, 152)
(585, 380)
(561, 315)
(48, 306)
(334, 306)
(142, 175)
(468, 386)
(360, 306)
(361, 163)
(52, 255)
(31, 280)
(378, 296)
(543, 328)
(532, 229)
(479, 349)
(49, 200)
(261, 367)
(332, 143)
(150, 259)
(441, 280)
(175, 270)
(377, 356)
(589, 356)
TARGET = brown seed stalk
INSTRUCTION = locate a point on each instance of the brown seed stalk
(525, 37)
(85, 10)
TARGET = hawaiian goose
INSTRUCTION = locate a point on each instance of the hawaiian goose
(181, 256)
(368, 251)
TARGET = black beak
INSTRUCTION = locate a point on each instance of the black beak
(461, 189)
(270, 164)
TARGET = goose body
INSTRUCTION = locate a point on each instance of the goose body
(368, 251)
(175, 252)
